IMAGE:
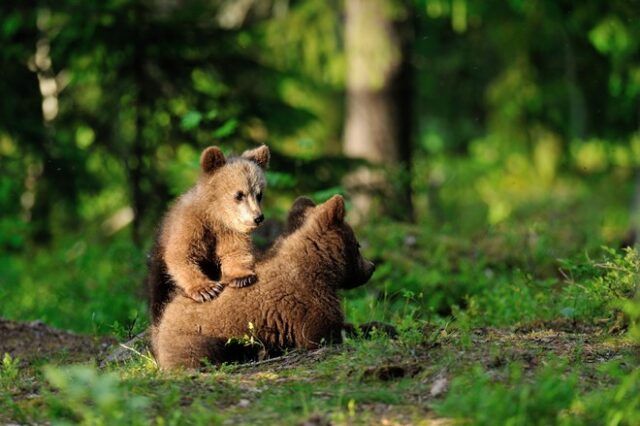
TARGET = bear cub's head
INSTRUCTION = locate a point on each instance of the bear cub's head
(334, 241)
(231, 189)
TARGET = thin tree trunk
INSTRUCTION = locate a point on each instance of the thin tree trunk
(379, 105)
(136, 163)
(577, 112)
(632, 239)
(40, 179)
(635, 206)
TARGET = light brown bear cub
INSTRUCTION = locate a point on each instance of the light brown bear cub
(295, 304)
(204, 243)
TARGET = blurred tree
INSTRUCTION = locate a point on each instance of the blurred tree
(106, 103)
(617, 36)
(125, 86)
(47, 172)
(379, 121)
(21, 127)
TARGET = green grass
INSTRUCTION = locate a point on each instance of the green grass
(531, 321)
(495, 380)
(77, 284)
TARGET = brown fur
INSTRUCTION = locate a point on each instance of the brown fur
(203, 243)
(295, 304)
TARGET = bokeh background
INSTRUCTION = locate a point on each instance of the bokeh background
(479, 143)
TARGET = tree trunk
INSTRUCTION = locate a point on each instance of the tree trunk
(633, 237)
(41, 179)
(136, 162)
(378, 35)
(577, 113)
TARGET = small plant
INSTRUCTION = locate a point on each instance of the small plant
(128, 329)
(249, 339)
(9, 386)
(86, 397)
(9, 370)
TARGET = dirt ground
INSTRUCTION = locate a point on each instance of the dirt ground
(431, 364)
(491, 347)
(35, 340)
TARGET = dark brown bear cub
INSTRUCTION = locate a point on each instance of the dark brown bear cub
(204, 243)
(294, 305)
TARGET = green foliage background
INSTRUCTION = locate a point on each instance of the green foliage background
(524, 152)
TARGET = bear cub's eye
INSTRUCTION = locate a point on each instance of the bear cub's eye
(259, 196)
(239, 195)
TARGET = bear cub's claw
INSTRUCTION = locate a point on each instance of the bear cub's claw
(244, 281)
(205, 293)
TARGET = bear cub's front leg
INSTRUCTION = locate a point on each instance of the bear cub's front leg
(242, 278)
(237, 263)
(185, 271)
(205, 291)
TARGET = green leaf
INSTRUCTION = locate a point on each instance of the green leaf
(226, 129)
(568, 312)
(610, 37)
(280, 180)
(191, 120)
(11, 24)
(212, 114)
(325, 194)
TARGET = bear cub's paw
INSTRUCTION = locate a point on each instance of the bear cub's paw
(206, 292)
(244, 281)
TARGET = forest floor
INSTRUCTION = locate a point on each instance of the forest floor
(533, 322)
(409, 380)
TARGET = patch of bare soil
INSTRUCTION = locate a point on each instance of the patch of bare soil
(434, 364)
(589, 344)
(33, 340)
(531, 344)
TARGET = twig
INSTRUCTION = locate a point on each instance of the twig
(268, 361)
(295, 354)
(135, 351)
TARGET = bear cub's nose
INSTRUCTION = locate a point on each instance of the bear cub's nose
(258, 220)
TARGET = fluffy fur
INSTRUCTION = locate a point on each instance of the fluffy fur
(203, 243)
(295, 304)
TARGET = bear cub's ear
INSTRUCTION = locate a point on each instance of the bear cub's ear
(212, 159)
(259, 155)
(298, 213)
(333, 209)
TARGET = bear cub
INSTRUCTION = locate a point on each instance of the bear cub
(203, 242)
(295, 304)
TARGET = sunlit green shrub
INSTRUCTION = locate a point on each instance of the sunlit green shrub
(589, 289)
(595, 287)
(87, 397)
(78, 284)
